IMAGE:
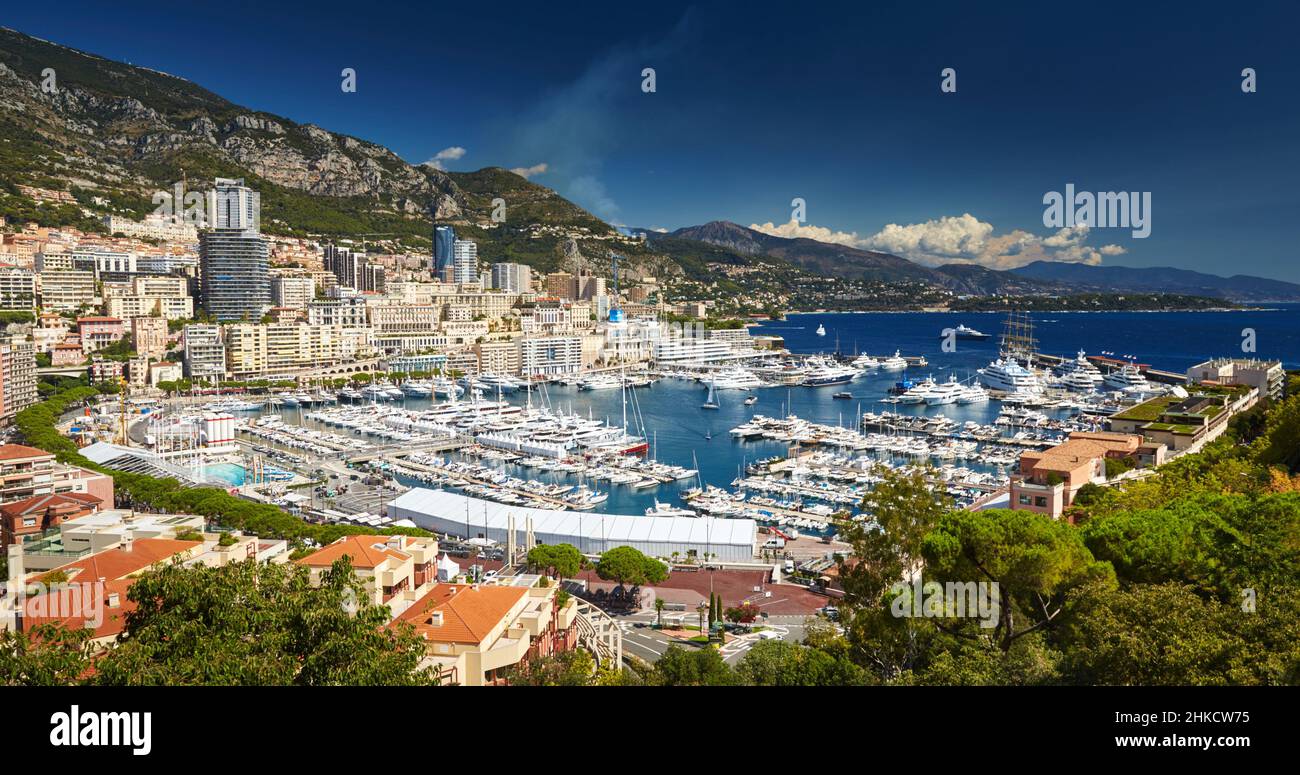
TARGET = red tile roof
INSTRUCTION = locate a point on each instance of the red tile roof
(365, 551)
(469, 613)
(118, 563)
(53, 500)
(18, 452)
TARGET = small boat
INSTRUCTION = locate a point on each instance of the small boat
(751, 400)
(843, 394)
(821, 330)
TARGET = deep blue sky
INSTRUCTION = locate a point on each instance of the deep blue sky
(758, 103)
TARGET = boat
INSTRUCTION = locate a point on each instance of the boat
(973, 394)
(917, 393)
(821, 330)
(751, 400)
(1127, 378)
(963, 331)
(944, 393)
(1008, 375)
(896, 363)
(865, 362)
(711, 402)
(823, 372)
(736, 378)
(600, 382)
(1080, 374)
(668, 510)
(843, 394)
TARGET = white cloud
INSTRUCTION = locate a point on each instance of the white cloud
(528, 172)
(795, 229)
(446, 154)
(959, 239)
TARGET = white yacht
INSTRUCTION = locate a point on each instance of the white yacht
(973, 394)
(668, 510)
(1127, 378)
(865, 362)
(896, 363)
(918, 392)
(417, 389)
(821, 330)
(736, 379)
(944, 393)
(1080, 374)
(1008, 375)
(601, 382)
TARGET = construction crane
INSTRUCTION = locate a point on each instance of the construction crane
(124, 391)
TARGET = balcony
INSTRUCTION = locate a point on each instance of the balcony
(509, 650)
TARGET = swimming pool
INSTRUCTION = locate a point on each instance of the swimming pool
(227, 473)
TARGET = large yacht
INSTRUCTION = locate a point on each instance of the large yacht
(963, 331)
(896, 363)
(1080, 374)
(600, 382)
(973, 394)
(865, 362)
(736, 379)
(1126, 378)
(917, 393)
(1008, 375)
(822, 372)
(944, 393)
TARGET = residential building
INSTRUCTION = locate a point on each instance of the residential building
(149, 336)
(549, 355)
(17, 288)
(1184, 424)
(1047, 481)
(499, 357)
(444, 241)
(205, 353)
(66, 289)
(97, 332)
(234, 256)
(348, 312)
(465, 261)
(104, 370)
(395, 570)
(280, 349)
(477, 634)
(33, 516)
(512, 277)
(1266, 376)
(294, 291)
(26, 472)
(152, 227)
(50, 330)
(101, 260)
(17, 376)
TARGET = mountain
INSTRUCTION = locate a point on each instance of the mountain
(1082, 277)
(832, 260)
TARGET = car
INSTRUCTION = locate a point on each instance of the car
(830, 612)
(769, 635)
(491, 575)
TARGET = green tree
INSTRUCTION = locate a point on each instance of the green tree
(778, 663)
(626, 565)
(560, 560)
(569, 668)
(255, 624)
(46, 655)
(700, 667)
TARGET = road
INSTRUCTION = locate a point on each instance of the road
(641, 639)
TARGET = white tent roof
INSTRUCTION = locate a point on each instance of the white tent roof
(612, 528)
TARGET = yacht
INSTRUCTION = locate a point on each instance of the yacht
(823, 372)
(821, 330)
(445, 388)
(1080, 374)
(497, 383)
(963, 331)
(945, 393)
(973, 394)
(896, 363)
(1008, 375)
(751, 400)
(736, 379)
(600, 382)
(865, 362)
(711, 402)
(1127, 378)
(916, 394)
(417, 389)
(668, 510)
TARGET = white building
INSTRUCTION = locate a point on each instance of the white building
(465, 261)
(295, 292)
(550, 355)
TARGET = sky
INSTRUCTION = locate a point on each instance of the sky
(757, 104)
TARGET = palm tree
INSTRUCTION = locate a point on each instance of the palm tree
(659, 611)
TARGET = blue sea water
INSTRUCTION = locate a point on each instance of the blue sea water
(679, 430)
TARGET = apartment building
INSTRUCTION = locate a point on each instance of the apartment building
(66, 289)
(1267, 376)
(512, 277)
(478, 634)
(351, 312)
(149, 336)
(292, 291)
(28, 517)
(101, 260)
(17, 376)
(49, 330)
(97, 332)
(152, 227)
(26, 472)
(401, 328)
(550, 355)
(167, 307)
(205, 353)
(1047, 481)
(280, 348)
(500, 357)
(395, 570)
(17, 288)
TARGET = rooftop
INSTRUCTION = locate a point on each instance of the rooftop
(469, 612)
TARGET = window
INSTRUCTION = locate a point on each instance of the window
(1040, 502)
(1024, 500)
(29, 521)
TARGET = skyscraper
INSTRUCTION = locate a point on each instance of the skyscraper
(465, 261)
(444, 242)
(234, 282)
(516, 278)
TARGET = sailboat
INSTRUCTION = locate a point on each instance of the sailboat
(821, 330)
(711, 402)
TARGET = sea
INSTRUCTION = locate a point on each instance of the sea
(681, 432)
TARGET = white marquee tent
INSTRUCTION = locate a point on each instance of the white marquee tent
(730, 540)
